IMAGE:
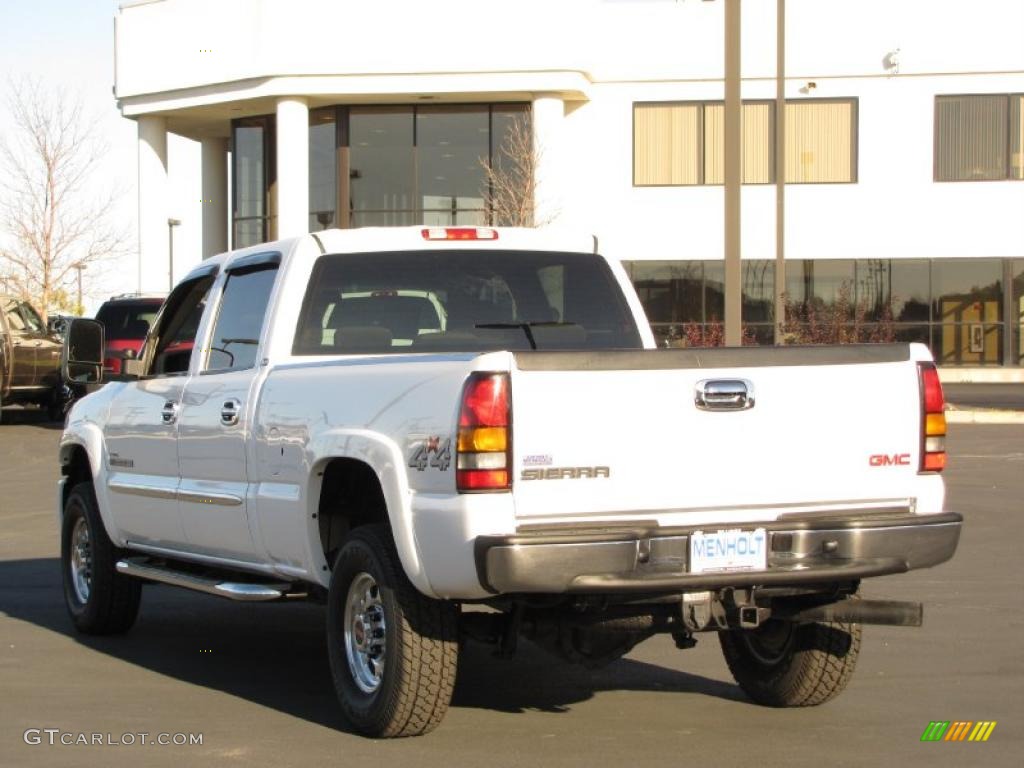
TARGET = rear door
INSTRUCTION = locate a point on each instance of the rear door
(623, 434)
(215, 416)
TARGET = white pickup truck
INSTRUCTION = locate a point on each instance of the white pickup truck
(450, 433)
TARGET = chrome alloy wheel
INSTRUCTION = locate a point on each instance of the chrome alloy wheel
(81, 561)
(365, 632)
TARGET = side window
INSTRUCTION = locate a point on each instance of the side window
(169, 350)
(32, 318)
(236, 335)
(14, 318)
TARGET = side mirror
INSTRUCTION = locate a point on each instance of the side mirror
(82, 354)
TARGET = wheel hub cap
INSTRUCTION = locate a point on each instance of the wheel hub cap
(365, 632)
(81, 561)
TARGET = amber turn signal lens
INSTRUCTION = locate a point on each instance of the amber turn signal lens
(483, 439)
(935, 424)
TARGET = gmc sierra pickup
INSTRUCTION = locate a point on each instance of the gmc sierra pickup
(450, 433)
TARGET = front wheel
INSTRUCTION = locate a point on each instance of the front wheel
(100, 600)
(784, 664)
(393, 651)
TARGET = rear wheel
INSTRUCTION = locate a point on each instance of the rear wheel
(393, 651)
(99, 599)
(785, 664)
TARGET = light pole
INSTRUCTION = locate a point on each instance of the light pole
(78, 267)
(733, 176)
(780, 169)
(171, 224)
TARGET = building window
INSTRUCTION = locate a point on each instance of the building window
(955, 306)
(401, 165)
(979, 137)
(685, 300)
(678, 144)
(821, 141)
(253, 175)
(323, 169)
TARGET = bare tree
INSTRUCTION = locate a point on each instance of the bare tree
(54, 221)
(510, 178)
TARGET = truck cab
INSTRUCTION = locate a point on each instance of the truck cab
(29, 358)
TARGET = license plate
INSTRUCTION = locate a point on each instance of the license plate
(733, 550)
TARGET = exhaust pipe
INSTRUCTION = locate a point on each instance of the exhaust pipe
(894, 613)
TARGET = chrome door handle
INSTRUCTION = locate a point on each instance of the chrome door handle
(229, 412)
(724, 395)
(169, 414)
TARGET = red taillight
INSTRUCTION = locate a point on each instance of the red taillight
(484, 446)
(933, 419)
(459, 233)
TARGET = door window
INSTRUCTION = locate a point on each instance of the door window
(236, 335)
(168, 352)
(33, 321)
(14, 318)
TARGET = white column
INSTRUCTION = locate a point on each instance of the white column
(548, 120)
(215, 196)
(153, 204)
(292, 167)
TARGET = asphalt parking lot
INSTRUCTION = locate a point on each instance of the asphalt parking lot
(254, 681)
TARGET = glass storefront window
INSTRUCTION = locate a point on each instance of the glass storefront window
(817, 285)
(252, 178)
(967, 307)
(759, 293)
(402, 165)
(954, 306)
(714, 291)
(450, 144)
(911, 290)
(382, 166)
(323, 169)
(670, 291)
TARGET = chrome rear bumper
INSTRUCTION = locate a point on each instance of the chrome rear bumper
(806, 550)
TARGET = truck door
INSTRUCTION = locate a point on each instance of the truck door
(45, 349)
(216, 412)
(22, 350)
(142, 426)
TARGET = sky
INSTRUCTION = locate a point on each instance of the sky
(70, 43)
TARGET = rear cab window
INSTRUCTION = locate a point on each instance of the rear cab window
(425, 301)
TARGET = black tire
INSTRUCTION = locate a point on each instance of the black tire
(784, 664)
(419, 641)
(110, 602)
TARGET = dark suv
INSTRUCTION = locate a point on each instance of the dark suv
(126, 320)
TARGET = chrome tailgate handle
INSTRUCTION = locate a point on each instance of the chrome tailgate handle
(724, 395)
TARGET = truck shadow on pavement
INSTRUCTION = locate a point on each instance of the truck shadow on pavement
(275, 655)
(30, 417)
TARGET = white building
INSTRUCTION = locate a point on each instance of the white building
(904, 170)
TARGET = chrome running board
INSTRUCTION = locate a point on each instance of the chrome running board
(242, 591)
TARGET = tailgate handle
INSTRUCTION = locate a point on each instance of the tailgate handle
(724, 395)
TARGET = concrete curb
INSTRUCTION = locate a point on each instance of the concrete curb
(984, 416)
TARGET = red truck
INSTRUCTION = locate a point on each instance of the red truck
(126, 320)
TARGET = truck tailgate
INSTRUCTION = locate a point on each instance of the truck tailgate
(619, 436)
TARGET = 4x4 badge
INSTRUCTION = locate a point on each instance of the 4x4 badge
(432, 452)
